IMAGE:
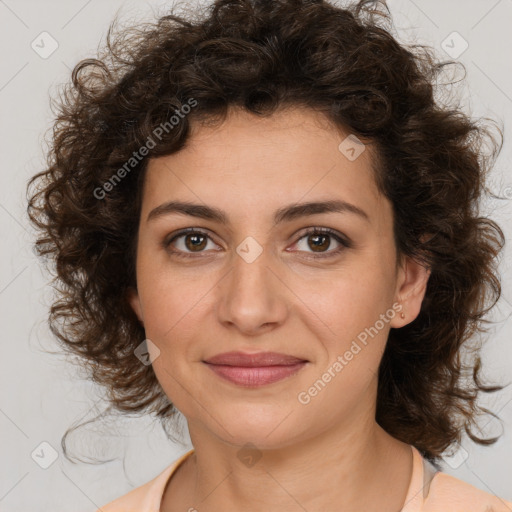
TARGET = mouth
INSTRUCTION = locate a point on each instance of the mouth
(254, 370)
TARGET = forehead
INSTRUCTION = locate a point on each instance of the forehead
(253, 165)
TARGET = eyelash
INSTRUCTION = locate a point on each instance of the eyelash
(345, 243)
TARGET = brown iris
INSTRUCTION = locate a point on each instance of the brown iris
(192, 241)
(324, 245)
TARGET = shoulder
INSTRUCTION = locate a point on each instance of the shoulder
(147, 497)
(133, 500)
(450, 493)
(144, 498)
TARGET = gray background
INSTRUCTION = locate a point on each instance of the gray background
(41, 395)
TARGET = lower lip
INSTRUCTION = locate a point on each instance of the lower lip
(255, 376)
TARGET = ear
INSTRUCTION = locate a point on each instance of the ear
(411, 287)
(133, 299)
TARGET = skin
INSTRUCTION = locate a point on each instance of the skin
(328, 454)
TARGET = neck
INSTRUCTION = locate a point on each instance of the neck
(360, 468)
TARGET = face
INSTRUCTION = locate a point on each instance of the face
(248, 268)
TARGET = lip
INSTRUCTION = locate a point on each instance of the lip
(253, 370)
(253, 360)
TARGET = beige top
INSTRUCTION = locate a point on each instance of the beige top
(429, 491)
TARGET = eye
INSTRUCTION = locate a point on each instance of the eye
(317, 242)
(320, 240)
(187, 242)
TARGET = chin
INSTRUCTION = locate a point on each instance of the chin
(266, 431)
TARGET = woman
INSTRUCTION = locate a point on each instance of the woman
(261, 218)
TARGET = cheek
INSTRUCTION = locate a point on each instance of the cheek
(350, 317)
(172, 310)
(346, 303)
(353, 337)
(170, 296)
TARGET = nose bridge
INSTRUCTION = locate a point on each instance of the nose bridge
(250, 296)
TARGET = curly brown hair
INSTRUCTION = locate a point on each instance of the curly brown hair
(262, 55)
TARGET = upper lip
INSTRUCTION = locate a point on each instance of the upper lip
(253, 360)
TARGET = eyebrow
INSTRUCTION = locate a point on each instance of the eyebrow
(285, 214)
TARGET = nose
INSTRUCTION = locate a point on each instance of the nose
(252, 297)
